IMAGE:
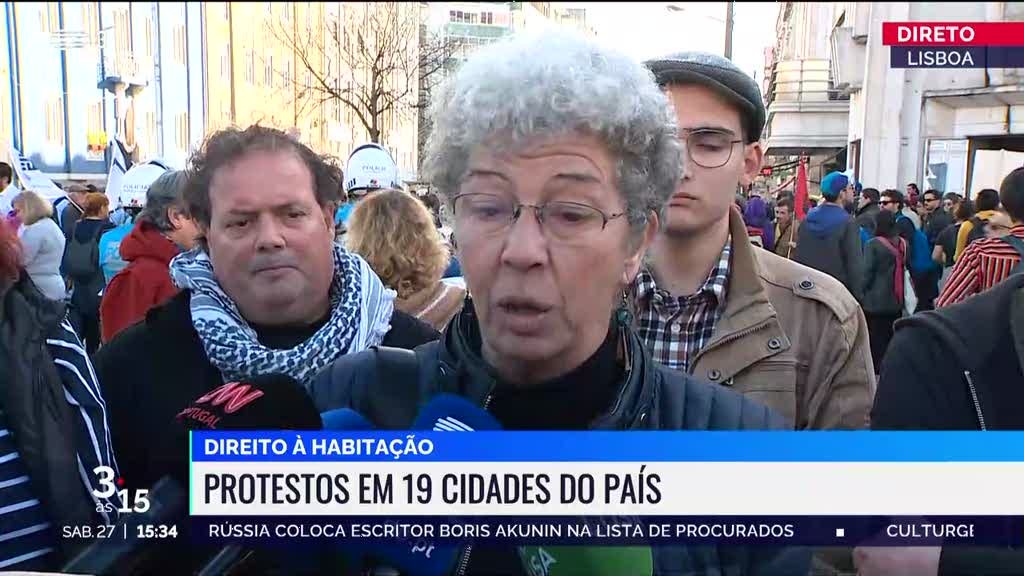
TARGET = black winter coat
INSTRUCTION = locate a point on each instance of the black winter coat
(959, 368)
(154, 369)
(52, 407)
(866, 217)
(879, 288)
(390, 391)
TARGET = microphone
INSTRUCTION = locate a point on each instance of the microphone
(337, 419)
(451, 413)
(124, 551)
(595, 560)
(270, 402)
(443, 413)
(344, 419)
(266, 402)
(420, 558)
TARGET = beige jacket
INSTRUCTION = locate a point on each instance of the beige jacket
(784, 237)
(790, 337)
(435, 306)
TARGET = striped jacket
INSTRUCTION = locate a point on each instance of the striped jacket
(985, 263)
(55, 432)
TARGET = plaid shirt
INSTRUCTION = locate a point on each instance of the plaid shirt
(675, 329)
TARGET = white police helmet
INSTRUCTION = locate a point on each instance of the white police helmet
(136, 181)
(370, 167)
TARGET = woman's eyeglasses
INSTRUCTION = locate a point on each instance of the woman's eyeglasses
(486, 214)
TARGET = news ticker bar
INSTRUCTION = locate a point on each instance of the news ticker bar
(603, 446)
(486, 474)
(985, 531)
(487, 489)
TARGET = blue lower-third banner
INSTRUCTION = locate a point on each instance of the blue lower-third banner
(613, 530)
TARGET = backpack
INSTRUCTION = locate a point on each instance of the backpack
(82, 259)
(110, 251)
(978, 231)
(920, 252)
(1017, 245)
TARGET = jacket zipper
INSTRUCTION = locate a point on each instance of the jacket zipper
(974, 398)
(627, 373)
(730, 338)
(464, 561)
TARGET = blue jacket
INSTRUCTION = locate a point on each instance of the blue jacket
(389, 386)
(830, 241)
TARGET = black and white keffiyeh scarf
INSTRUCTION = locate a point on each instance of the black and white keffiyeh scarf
(361, 308)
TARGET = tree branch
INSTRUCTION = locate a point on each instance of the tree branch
(371, 60)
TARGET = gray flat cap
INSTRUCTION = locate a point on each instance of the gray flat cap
(719, 74)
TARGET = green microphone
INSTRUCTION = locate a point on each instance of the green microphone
(587, 560)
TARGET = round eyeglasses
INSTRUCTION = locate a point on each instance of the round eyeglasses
(709, 148)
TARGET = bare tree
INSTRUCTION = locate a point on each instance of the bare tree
(371, 61)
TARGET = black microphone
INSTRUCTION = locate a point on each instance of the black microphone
(271, 402)
(124, 550)
(232, 554)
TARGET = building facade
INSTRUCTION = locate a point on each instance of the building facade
(160, 76)
(469, 26)
(954, 130)
(807, 115)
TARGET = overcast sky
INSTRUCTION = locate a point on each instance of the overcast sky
(648, 29)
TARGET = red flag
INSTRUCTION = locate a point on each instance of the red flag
(800, 198)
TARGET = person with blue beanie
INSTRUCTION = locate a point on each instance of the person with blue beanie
(829, 239)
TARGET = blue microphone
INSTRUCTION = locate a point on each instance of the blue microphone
(451, 413)
(344, 419)
(443, 413)
(415, 558)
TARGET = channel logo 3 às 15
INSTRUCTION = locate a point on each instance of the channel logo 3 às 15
(139, 502)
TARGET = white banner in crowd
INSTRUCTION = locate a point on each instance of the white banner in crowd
(119, 165)
(31, 178)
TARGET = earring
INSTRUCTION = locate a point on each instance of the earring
(623, 315)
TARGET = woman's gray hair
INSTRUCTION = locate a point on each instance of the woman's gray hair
(165, 192)
(552, 84)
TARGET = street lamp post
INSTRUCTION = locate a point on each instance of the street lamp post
(729, 10)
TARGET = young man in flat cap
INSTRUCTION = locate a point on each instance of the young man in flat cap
(711, 304)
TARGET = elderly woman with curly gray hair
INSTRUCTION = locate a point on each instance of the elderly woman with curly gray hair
(556, 157)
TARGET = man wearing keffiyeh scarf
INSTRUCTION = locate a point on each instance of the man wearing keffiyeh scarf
(266, 292)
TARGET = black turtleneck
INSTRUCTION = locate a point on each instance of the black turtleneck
(569, 402)
(406, 332)
(285, 337)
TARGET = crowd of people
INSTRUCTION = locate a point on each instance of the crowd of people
(599, 275)
(916, 251)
